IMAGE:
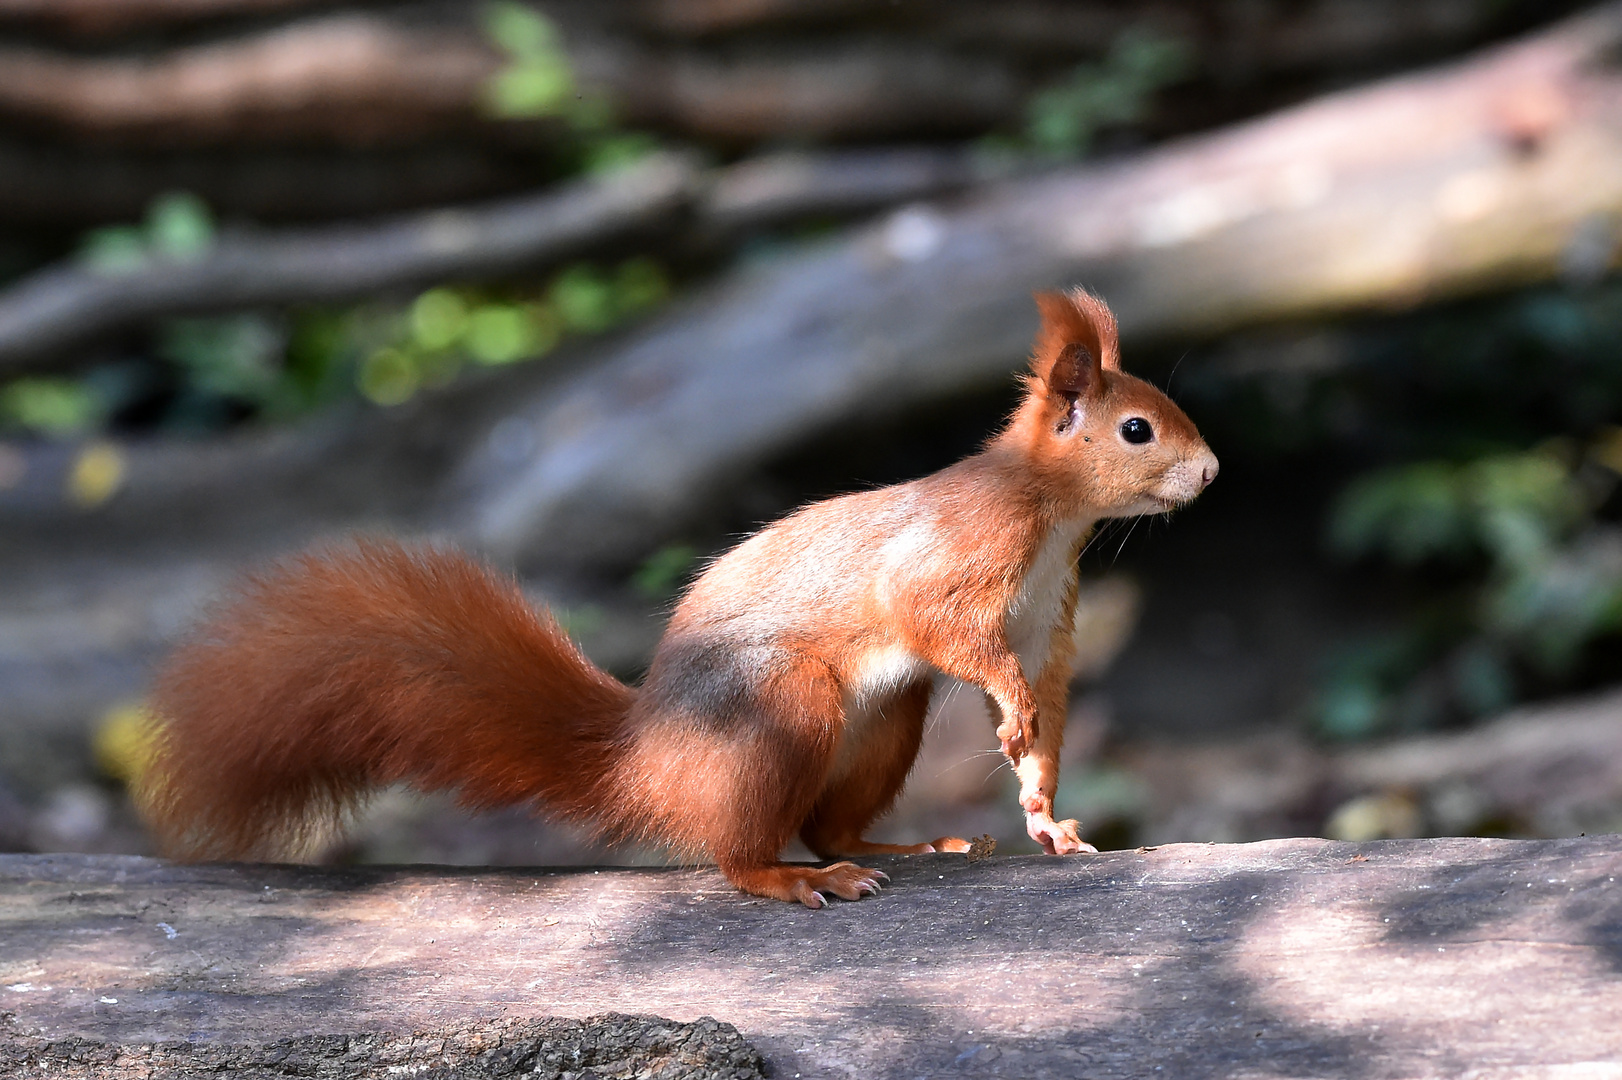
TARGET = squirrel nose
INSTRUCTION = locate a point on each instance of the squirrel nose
(1208, 473)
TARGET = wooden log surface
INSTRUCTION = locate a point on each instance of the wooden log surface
(1465, 957)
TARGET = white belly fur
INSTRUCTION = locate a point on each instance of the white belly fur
(1039, 606)
(1036, 610)
(879, 674)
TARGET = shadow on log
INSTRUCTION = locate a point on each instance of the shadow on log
(1292, 957)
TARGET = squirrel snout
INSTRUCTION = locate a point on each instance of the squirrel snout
(1208, 470)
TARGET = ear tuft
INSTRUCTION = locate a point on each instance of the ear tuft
(1078, 331)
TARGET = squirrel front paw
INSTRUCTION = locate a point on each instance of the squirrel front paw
(1017, 735)
(1057, 837)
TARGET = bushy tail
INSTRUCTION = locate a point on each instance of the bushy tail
(359, 666)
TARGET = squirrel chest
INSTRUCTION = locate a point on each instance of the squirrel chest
(1044, 600)
(1041, 605)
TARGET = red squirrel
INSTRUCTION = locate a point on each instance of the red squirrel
(787, 696)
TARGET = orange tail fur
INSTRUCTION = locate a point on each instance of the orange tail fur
(367, 664)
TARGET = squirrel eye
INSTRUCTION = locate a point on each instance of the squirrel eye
(1137, 430)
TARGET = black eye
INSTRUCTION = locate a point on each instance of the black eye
(1137, 430)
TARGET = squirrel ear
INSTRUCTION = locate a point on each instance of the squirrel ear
(1073, 372)
(1077, 340)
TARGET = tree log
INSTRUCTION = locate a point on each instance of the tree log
(350, 79)
(1501, 171)
(911, 70)
(111, 16)
(278, 109)
(1438, 958)
(51, 312)
(1547, 769)
(66, 305)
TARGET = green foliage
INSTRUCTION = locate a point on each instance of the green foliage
(1101, 793)
(1511, 506)
(613, 150)
(665, 572)
(178, 227)
(57, 407)
(538, 82)
(1062, 120)
(446, 327)
(538, 79)
(1542, 579)
(234, 367)
(237, 356)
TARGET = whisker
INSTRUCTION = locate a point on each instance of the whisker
(1125, 538)
(993, 772)
(1174, 368)
(1099, 533)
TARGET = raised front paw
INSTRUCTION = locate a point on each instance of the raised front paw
(1017, 735)
(1057, 837)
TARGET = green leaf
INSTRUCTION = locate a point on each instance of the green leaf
(59, 407)
(180, 227)
(584, 299)
(499, 333)
(388, 377)
(439, 318)
(665, 572)
(520, 31)
(639, 284)
(531, 89)
(116, 249)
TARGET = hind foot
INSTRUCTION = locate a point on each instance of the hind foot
(809, 885)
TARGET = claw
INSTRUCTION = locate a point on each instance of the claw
(881, 875)
(821, 901)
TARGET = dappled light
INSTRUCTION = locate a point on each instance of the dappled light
(828, 400)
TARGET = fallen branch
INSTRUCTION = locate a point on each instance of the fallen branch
(727, 71)
(354, 79)
(1184, 960)
(105, 16)
(69, 304)
(1551, 769)
(49, 312)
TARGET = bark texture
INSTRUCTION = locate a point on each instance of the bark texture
(1435, 958)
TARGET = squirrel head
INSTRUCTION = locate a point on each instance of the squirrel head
(1106, 441)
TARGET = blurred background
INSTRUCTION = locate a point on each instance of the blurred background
(595, 288)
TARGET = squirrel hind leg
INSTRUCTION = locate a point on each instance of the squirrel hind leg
(885, 744)
(808, 885)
